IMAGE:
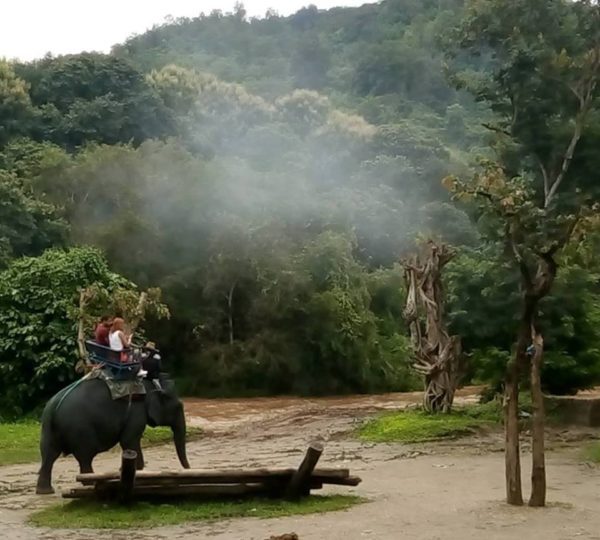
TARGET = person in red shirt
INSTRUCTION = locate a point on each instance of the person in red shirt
(102, 331)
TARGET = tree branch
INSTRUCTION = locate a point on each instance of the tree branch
(497, 129)
(585, 100)
(544, 175)
(525, 272)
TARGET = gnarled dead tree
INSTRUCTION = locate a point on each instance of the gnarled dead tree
(437, 355)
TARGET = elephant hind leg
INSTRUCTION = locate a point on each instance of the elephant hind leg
(49, 455)
(85, 464)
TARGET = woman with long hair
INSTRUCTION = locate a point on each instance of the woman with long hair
(117, 337)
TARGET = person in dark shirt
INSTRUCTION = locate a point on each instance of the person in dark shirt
(102, 331)
(151, 364)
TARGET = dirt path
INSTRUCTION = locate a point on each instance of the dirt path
(429, 492)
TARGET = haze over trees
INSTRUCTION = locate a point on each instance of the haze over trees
(270, 175)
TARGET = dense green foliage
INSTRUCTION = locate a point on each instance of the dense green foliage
(268, 175)
(484, 298)
(39, 301)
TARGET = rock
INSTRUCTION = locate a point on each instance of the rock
(289, 536)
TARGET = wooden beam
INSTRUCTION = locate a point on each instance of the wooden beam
(299, 484)
(216, 476)
(276, 483)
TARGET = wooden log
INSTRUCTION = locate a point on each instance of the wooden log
(349, 481)
(192, 476)
(127, 480)
(110, 489)
(299, 484)
(79, 493)
(272, 486)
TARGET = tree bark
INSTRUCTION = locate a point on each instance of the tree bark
(437, 355)
(538, 469)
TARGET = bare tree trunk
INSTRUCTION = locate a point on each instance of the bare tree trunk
(140, 312)
(437, 355)
(534, 288)
(538, 468)
(230, 312)
(512, 457)
(83, 365)
(84, 296)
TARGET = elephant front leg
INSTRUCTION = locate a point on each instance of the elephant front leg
(85, 465)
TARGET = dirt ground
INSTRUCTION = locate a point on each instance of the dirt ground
(451, 490)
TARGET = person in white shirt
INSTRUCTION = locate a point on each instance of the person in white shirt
(120, 341)
(117, 337)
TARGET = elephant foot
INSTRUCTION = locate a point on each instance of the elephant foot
(44, 490)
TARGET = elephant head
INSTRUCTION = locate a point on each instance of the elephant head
(164, 408)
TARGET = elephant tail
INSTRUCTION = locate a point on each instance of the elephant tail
(49, 437)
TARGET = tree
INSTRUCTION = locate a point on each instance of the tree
(28, 226)
(483, 298)
(94, 97)
(16, 110)
(437, 355)
(310, 63)
(542, 81)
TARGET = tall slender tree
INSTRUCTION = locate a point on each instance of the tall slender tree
(541, 67)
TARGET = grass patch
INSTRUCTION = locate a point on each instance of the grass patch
(20, 441)
(591, 452)
(418, 426)
(163, 435)
(95, 515)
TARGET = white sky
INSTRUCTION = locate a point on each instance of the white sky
(31, 28)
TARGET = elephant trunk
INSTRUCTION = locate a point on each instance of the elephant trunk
(178, 429)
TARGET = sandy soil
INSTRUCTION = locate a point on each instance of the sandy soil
(452, 490)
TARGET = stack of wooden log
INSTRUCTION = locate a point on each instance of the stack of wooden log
(286, 483)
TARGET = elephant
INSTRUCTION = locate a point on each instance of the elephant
(84, 420)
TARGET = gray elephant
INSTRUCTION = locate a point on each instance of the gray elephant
(84, 420)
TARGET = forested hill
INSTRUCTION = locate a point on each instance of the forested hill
(381, 60)
(376, 50)
(267, 175)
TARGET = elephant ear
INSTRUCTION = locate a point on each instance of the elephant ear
(154, 408)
